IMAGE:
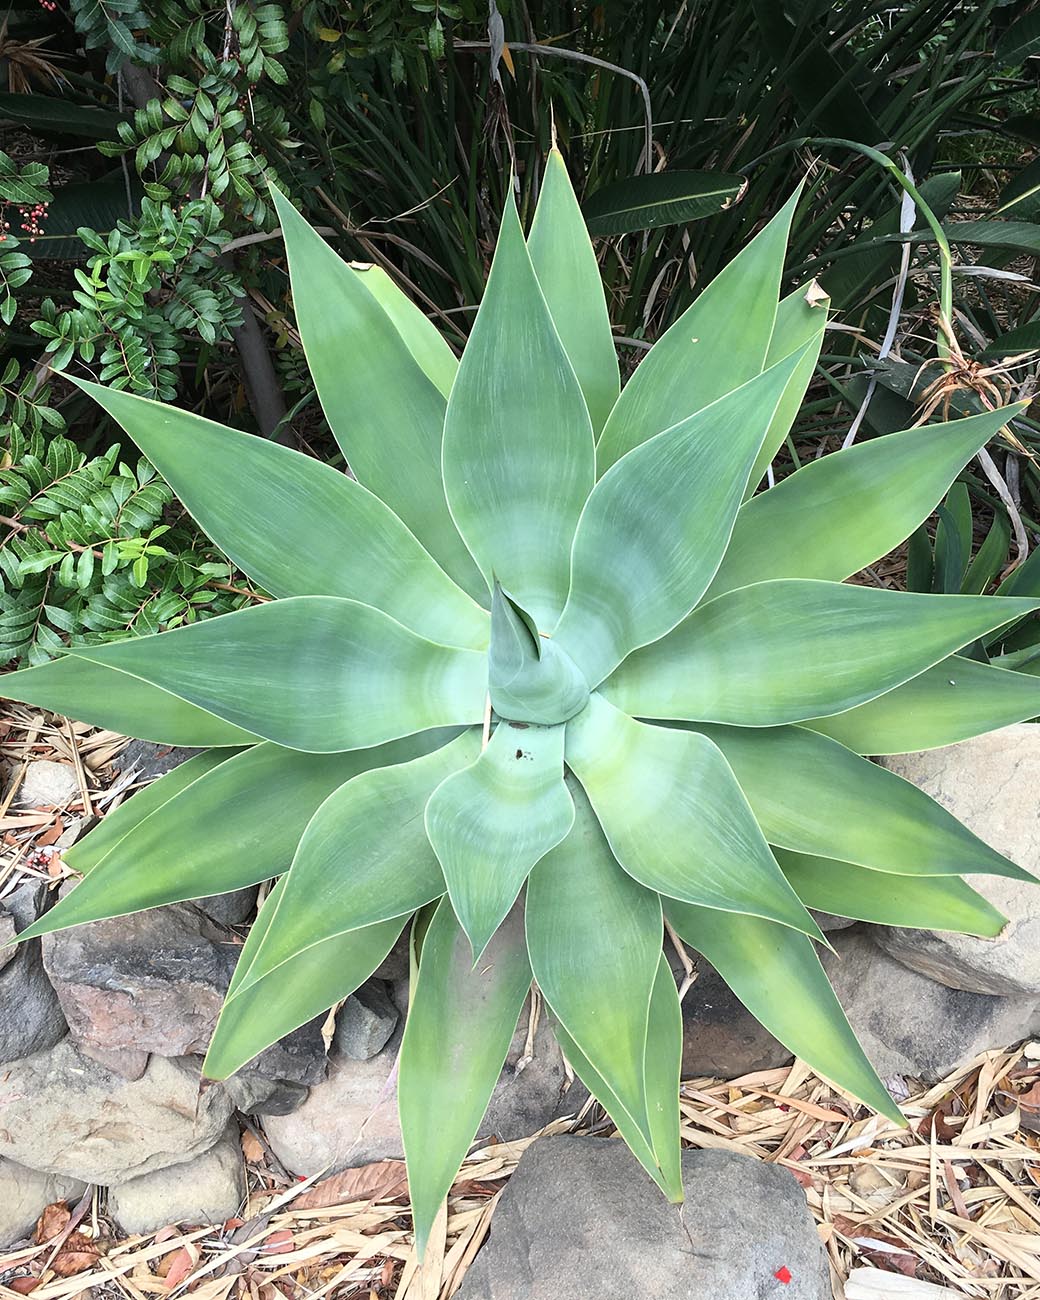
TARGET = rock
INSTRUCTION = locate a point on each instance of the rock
(62, 1113)
(31, 1018)
(395, 965)
(231, 909)
(908, 1024)
(579, 1218)
(721, 1038)
(128, 1062)
(351, 1118)
(365, 1022)
(155, 982)
(991, 784)
(25, 1194)
(8, 930)
(150, 760)
(48, 785)
(827, 921)
(208, 1189)
(253, 1093)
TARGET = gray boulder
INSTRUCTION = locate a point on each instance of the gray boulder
(991, 783)
(63, 1113)
(155, 982)
(580, 1218)
(25, 1194)
(351, 1118)
(910, 1025)
(721, 1038)
(365, 1022)
(208, 1189)
(31, 1018)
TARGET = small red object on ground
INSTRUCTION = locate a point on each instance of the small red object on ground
(783, 1274)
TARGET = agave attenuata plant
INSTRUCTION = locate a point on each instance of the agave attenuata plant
(541, 674)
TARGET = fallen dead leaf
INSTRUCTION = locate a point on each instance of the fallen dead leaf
(252, 1148)
(23, 1285)
(375, 1182)
(176, 1266)
(53, 1221)
(77, 1255)
(278, 1243)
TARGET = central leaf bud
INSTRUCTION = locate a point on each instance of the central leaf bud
(530, 678)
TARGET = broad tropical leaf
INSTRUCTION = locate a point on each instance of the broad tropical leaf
(584, 914)
(421, 337)
(255, 494)
(386, 413)
(777, 975)
(675, 817)
(363, 858)
(531, 678)
(568, 273)
(519, 455)
(828, 520)
(235, 826)
(954, 700)
(460, 1024)
(715, 346)
(325, 674)
(655, 528)
(929, 902)
(811, 794)
(667, 198)
(108, 697)
(792, 649)
(492, 821)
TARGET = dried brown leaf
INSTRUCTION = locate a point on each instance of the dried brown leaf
(53, 1221)
(375, 1182)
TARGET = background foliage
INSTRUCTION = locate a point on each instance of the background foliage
(140, 248)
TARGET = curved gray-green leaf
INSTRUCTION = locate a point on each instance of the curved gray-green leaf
(311, 982)
(717, 344)
(108, 697)
(801, 320)
(492, 821)
(655, 528)
(777, 975)
(924, 902)
(386, 413)
(363, 857)
(594, 936)
(421, 337)
(530, 677)
(567, 270)
(794, 648)
(813, 795)
(86, 853)
(519, 455)
(675, 817)
(294, 525)
(314, 673)
(840, 513)
(235, 826)
(460, 1023)
(956, 699)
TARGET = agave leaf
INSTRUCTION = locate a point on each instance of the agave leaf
(777, 975)
(655, 528)
(107, 697)
(718, 343)
(386, 413)
(813, 795)
(519, 456)
(567, 270)
(296, 526)
(253, 1018)
(236, 826)
(927, 902)
(491, 822)
(364, 857)
(840, 513)
(794, 648)
(421, 337)
(530, 678)
(594, 937)
(801, 319)
(460, 1024)
(955, 700)
(675, 817)
(655, 1140)
(314, 673)
(85, 854)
